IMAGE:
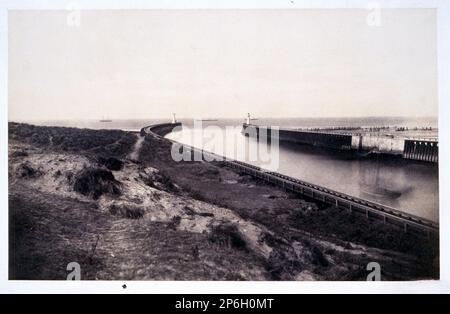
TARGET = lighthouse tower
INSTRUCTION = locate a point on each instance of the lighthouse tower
(248, 118)
(174, 120)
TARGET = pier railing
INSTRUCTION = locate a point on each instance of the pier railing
(387, 215)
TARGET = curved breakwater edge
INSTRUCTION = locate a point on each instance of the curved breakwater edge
(372, 210)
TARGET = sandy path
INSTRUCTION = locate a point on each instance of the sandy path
(134, 155)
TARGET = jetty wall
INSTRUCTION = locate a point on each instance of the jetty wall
(379, 144)
(424, 150)
(414, 149)
(318, 139)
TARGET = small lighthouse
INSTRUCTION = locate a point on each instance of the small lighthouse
(174, 119)
(248, 118)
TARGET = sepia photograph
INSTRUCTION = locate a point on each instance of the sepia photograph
(208, 144)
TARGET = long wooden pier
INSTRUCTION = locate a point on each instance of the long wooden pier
(425, 150)
(372, 210)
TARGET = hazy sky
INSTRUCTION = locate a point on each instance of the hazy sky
(201, 63)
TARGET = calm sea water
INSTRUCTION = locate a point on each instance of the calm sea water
(409, 186)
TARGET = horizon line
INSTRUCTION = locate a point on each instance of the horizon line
(223, 118)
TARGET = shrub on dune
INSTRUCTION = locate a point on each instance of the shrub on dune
(129, 211)
(95, 182)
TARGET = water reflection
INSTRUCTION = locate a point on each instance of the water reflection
(378, 182)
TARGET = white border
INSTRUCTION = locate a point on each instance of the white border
(441, 286)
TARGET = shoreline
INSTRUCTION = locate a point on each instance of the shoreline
(207, 217)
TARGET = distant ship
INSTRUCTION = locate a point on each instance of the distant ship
(206, 120)
(105, 120)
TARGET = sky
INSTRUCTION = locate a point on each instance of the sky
(222, 63)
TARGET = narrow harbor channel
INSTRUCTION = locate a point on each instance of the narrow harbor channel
(406, 185)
